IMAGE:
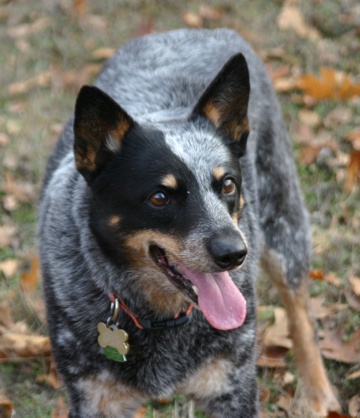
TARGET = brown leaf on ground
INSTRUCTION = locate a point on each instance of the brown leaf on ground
(352, 300)
(61, 410)
(52, 378)
(277, 335)
(353, 171)
(284, 402)
(79, 7)
(354, 138)
(334, 348)
(309, 118)
(14, 345)
(141, 412)
(214, 13)
(291, 18)
(321, 312)
(330, 85)
(309, 153)
(6, 319)
(355, 285)
(102, 53)
(6, 406)
(316, 274)
(272, 357)
(336, 415)
(19, 191)
(9, 267)
(193, 20)
(22, 87)
(331, 278)
(354, 406)
(31, 278)
(354, 375)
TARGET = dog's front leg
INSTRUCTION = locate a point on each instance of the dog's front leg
(315, 395)
(224, 389)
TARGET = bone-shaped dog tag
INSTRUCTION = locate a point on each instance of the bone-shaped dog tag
(114, 342)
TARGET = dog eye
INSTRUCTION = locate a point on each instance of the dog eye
(159, 199)
(228, 186)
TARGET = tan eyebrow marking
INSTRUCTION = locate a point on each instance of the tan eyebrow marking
(218, 172)
(169, 181)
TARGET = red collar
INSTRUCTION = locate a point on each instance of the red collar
(179, 319)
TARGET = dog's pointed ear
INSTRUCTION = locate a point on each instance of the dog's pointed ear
(225, 102)
(100, 126)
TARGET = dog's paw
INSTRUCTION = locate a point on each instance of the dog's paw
(113, 337)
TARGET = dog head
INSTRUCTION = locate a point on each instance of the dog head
(166, 197)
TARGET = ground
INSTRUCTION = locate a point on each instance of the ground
(50, 48)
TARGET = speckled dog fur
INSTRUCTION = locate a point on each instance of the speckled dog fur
(158, 81)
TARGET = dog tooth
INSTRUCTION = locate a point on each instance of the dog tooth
(195, 289)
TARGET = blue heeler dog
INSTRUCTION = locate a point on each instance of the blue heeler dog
(168, 187)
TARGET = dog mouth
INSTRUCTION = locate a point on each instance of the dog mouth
(216, 294)
(173, 274)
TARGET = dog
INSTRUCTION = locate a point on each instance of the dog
(168, 188)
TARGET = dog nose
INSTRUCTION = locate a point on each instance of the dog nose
(228, 250)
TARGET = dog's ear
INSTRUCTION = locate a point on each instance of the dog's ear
(225, 102)
(100, 126)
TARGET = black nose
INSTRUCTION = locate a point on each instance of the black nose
(227, 249)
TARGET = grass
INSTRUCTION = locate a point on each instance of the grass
(31, 122)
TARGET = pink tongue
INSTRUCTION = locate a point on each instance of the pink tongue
(220, 300)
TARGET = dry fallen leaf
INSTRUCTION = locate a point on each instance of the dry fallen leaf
(272, 357)
(353, 171)
(19, 345)
(355, 285)
(79, 7)
(316, 274)
(6, 406)
(141, 412)
(277, 335)
(31, 278)
(21, 87)
(213, 13)
(334, 348)
(309, 118)
(52, 378)
(284, 402)
(102, 53)
(9, 266)
(354, 138)
(354, 406)
(61, 410)
(354, 375)
(6, 320)
(321, 312)
(290, 17)
(193, 20)
(330, 85)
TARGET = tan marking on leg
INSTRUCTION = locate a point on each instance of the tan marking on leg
(114, 220)
(169, 181)
(307, 354)
(218, 172)
(210, 380)
(105, 396)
